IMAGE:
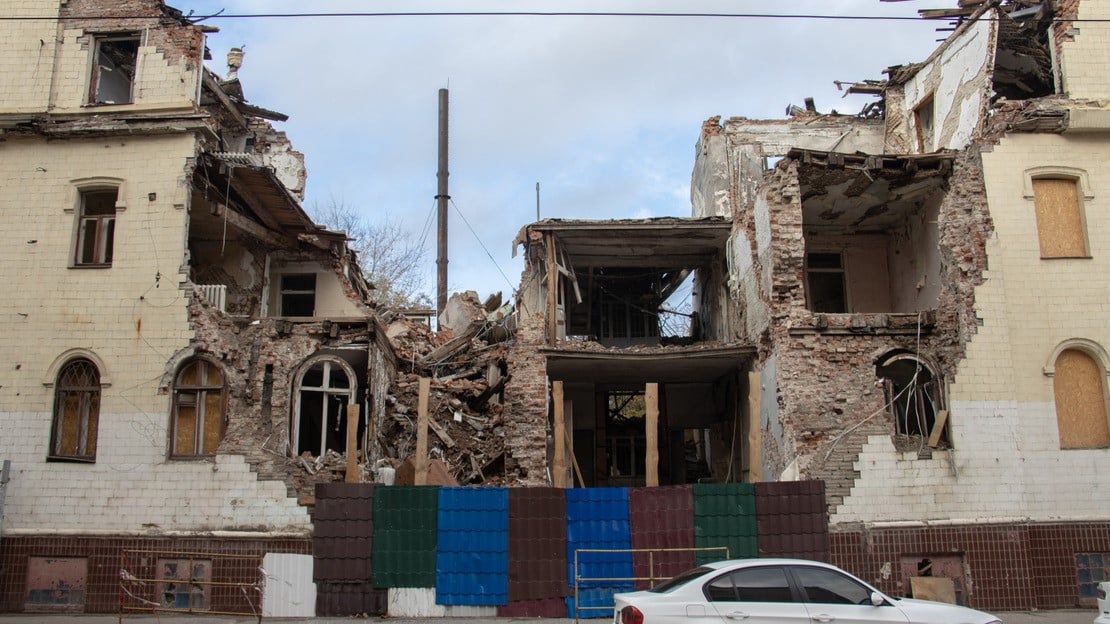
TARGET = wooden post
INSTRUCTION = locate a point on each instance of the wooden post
(421, 460)
(552, 292)
(559, 462)
(651, 435)
(353, 475)
(755, 429)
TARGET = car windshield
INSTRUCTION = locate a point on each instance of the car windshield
(681, 579)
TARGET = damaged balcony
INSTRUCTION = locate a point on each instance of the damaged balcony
(254, 252)
(871, 258)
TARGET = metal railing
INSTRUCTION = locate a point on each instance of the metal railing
(140, 594)
(651, 578)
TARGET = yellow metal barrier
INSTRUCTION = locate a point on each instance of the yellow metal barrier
(651, 578)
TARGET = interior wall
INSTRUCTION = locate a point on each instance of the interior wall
(866, 275)
(914, 260)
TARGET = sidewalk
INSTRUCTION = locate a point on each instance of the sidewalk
(1070, 616)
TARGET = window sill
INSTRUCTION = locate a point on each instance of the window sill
(90, 266)
(71, 459)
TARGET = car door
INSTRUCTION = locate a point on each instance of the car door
(832, 596)
(755, 595)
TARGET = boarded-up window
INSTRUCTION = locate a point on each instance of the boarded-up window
(76, 412)
(198, 409)
(1080, 401)
(1059, 218)
(56, 584)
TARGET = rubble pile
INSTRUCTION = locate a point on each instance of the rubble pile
(465, 362)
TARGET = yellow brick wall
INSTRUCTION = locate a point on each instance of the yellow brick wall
(132, 315)
(27, 55)
(1085, 61)
(1028, 305)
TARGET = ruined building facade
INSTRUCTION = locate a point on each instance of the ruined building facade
(177, 331)
(908, 304)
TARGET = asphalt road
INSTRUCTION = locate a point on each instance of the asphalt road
(1078, 616)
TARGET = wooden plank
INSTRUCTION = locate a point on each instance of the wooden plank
(559, 461)
(421, 460)
(353, 473)
(755, 429)
(552, 285)
(573, 459)
(1059, 218)
(651, 434)
(936, 588)
(938, 428)
(441, 433)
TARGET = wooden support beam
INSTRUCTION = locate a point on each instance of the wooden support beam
(573, 459)
(420, 462)
(755, 429)
(353, 474)
(559, 462)
(651, 433)
(552, 285)
(938, 428)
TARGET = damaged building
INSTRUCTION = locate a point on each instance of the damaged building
(906, 304)
(184, 346)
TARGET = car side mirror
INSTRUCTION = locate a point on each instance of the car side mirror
(877, 599)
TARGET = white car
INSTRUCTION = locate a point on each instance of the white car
(779, 591)
(1103, 603)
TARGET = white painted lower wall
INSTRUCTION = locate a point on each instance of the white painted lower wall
(132, 487)
(1007, 464)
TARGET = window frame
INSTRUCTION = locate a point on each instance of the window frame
(99, 40)
(330, 363)
(925, 139)
(794, 573)
(283, 291)
(796, 596)
(842, 271)
(83, 193)
(88, 420)
(200, 391)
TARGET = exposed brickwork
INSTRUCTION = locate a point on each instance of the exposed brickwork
(103, 554)
(1009, 567)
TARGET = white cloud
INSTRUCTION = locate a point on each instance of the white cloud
(602, 111)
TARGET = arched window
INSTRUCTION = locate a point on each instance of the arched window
(1080, 391)
(914, 395)
(198, 409)
(325, 387)
(76, 412)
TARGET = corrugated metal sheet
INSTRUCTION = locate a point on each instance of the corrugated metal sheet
(343, 532)
(597, 518)
(472, 559)
(544, 608)
(792, 519)
(661, 518)
(289, 590)
(537, 545)
(405, 536)
(347, 599)
(725, 515)
(414, 602)
(467, 611)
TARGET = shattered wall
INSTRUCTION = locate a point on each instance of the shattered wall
(169, 63)
(957, 80)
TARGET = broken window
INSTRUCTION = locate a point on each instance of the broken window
(185, 584)
(96, 227)
(298, 294)
(76, 412)
(113, 70)
(825, 282)
(1060, 225)
(1080, 394)
(198, 409)
(870, 231)
(923, 118)
(915, 398)
(324, 391)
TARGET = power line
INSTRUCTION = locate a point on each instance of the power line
(773, 16)
(483, 245)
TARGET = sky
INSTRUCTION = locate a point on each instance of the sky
(602, 112)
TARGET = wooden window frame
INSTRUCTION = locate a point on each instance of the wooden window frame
(96, 71)
(104, 229)
(88, 416)
(283, 291)
(842, 271)
(200, 392)
(325, 391)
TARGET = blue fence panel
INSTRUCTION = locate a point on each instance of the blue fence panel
(472, 556)
(598, 519)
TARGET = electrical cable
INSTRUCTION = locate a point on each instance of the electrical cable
(483, 245)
